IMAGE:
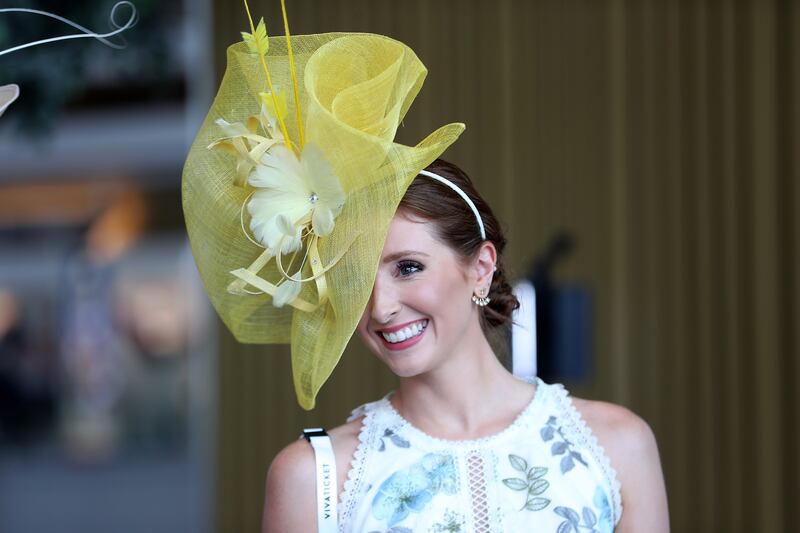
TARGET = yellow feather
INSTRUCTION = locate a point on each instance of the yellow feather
(266, 73)
(257, 42)
(294, 76)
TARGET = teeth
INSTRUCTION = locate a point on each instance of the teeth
(406, 333)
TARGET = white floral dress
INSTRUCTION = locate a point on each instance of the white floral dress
(546, 472)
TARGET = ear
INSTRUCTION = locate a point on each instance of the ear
(484, 267)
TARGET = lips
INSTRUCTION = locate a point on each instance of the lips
(403, 336)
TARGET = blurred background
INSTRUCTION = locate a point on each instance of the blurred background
(643, 155)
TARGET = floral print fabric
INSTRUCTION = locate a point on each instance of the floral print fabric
(544, 473)
(411, 489)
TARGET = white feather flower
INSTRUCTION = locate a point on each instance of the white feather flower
(291, 193)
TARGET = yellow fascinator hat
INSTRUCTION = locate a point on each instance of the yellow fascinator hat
(290, 186)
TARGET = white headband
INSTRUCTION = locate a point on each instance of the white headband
(462, 194)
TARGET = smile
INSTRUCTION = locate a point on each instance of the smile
(408, 332)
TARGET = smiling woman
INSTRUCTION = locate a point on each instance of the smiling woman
(350, 231)
(422, 291)
(462, 445)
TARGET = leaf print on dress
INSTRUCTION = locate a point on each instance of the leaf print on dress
(411, 489)
(588, 519)
(396, 439)
(533, 483)
(561, 447)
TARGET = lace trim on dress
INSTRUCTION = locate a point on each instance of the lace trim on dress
(581, 429)
(522, 418)
(355, 475)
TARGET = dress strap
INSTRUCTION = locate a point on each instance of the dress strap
(327, 521)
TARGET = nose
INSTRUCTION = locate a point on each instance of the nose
(384, 304)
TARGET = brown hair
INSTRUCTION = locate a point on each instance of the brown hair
(457, 227)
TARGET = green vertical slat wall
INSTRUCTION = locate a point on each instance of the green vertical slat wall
(664, 136)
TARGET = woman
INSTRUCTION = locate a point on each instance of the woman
(463, 445)
(308, 222)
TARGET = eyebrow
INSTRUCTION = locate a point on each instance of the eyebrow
(405, 253)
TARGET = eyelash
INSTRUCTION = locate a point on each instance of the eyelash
(403, 265)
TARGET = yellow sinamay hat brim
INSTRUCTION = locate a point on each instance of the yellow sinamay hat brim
(354, 90)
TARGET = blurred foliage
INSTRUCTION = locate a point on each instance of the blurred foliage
(84, 73)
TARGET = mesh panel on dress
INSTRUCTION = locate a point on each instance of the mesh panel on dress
(477, 492)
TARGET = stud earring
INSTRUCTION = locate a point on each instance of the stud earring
(482, 300)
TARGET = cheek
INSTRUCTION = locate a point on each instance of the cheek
(433, 297)
(442, 298)
(449, 290)
(456, 303)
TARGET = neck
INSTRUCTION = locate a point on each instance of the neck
(470, 396)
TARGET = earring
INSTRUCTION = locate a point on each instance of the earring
(483, 300)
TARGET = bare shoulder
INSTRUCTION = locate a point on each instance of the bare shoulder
(619, 430)
(289, 504)
(631, 446)
(290, 495)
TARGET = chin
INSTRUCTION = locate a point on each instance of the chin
(402, 365)
(405, 370)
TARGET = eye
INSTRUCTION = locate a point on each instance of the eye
(407, 268)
